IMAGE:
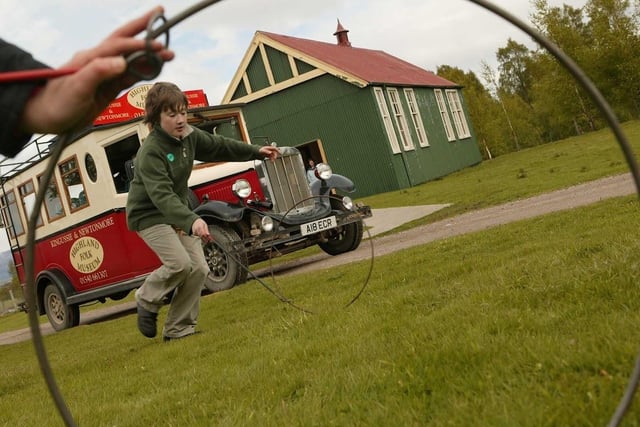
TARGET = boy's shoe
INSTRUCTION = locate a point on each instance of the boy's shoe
(147, 322)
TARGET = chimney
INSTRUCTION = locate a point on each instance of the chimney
(341, 34)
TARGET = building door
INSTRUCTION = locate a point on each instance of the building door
(312, 150)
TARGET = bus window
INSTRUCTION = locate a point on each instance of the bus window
(72, 180)
(52, 200)
(90, 166)
(227, 126)
(120, 155)
(28, 194)
(11, 215)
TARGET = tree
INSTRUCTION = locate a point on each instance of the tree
(514, 68)
(602, 38)
(15, 285)
(489, 76)
(614, 63)
(11, 293)
(560, 103)
(533, 99)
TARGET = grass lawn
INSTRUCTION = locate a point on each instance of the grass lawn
(529, 324)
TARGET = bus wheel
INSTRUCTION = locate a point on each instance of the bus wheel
(60, 314)
(225, 270)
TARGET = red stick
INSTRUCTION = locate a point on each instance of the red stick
(35, 75)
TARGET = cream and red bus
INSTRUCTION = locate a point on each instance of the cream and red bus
(83, 249)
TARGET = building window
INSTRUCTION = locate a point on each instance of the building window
(458, 114)
(72, 180)
(386, 119)
(446, 121)
(52, 201)
(11, 215)
(28, 195)
(400, 120)
(416, 118)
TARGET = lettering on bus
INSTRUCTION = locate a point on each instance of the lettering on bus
(92, 228)
(66, 238)
(86, 254)
(98, 275)
(81, 232)
(137, 96)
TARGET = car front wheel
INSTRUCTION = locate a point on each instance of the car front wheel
(226, 269)
(343, 239)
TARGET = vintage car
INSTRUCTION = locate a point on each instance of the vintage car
(276, 212)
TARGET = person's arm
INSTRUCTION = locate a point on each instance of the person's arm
(218, 148)
(73, 101)
(13, 97)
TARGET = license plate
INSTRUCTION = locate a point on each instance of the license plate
(318, 226)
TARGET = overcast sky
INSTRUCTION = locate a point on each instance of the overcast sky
(210, 45)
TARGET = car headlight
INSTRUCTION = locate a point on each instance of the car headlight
(266, 223)
(323, 171)
(241, 188)
(347, 203)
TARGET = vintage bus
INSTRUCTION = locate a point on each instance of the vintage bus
(84, 251)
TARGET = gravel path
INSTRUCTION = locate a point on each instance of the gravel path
(568, 198)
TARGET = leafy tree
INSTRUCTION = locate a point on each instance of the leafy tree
(515, 72)
(602, 38)
(15, 280)
(533, 99)
(614, 60)
(490, 77)
(561, 105)
(11, 293)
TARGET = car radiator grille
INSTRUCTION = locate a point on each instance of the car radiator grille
(286, 183)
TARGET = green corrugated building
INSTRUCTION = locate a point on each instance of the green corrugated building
(377, 119)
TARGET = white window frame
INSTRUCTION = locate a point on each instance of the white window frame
(11, 214)
(400, 119)
(416, 118)
(53, 199)
(386, 119)
(444, 114)
(459, 119)
(27, 192)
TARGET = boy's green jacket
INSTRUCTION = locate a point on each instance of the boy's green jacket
(159, 191)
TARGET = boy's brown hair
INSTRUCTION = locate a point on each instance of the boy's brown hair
(163, 96)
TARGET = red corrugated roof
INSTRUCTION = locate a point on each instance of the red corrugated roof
(373, 66)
